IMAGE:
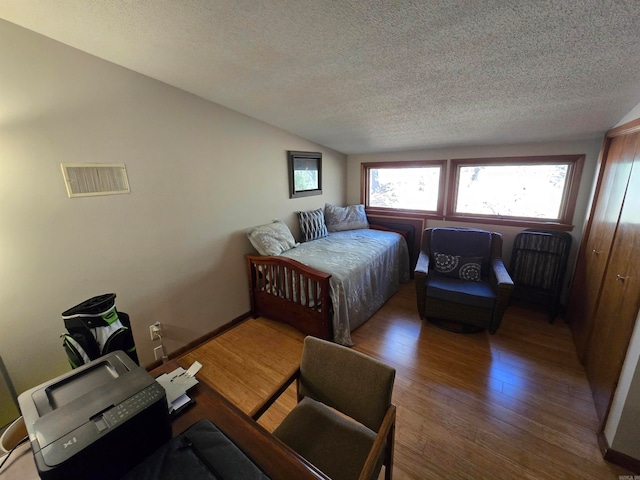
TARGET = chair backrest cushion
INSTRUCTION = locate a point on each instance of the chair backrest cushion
(465, 242)
(353, 383)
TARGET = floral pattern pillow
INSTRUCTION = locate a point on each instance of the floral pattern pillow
(455, 266)
(339, 219)
(272, 239)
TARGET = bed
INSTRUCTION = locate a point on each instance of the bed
(329, 286)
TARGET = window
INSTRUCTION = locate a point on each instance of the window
(515, 190)
(405, 186)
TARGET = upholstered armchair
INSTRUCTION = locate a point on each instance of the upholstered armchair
(461, 281)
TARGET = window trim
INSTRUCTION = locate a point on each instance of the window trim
(568, 206)
(364, 186)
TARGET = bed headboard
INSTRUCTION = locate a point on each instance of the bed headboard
(404, 228)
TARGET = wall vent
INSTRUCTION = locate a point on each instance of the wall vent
(90, 179)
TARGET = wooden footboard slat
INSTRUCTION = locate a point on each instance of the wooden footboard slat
(288, 291)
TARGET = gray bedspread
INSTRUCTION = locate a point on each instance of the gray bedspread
(366, 268)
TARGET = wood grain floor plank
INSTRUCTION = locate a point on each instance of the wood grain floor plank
(511, 405)
(248, 362)
(521, 392)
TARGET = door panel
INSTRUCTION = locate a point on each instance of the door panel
(590, 268)
(619, 302)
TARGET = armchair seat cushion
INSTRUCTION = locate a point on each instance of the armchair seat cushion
(475, 294)
(334, 444)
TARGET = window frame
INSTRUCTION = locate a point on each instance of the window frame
(364, 186)
(567, 207)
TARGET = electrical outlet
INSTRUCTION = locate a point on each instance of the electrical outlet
(158, 352)
(155, 331)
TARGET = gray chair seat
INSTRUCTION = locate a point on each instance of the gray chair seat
(334, 444)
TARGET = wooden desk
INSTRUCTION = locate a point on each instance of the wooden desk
(244, 365)
(241, 369)
(274, 457)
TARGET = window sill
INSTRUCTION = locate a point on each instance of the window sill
(511, 222)
(401, 212)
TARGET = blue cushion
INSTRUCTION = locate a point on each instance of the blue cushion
(475, 294)
(465, 242)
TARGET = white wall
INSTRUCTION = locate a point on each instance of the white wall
(632, 115)
(590, 148)
(172, 250)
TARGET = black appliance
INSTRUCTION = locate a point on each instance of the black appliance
(97, 421)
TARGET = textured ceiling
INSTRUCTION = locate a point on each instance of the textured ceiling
(375, 75)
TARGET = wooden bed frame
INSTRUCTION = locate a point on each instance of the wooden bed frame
(270, 277)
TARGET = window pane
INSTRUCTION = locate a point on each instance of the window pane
(305, 174)
(530, 191)
(411, 188)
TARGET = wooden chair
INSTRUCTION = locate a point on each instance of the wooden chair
(344, 422)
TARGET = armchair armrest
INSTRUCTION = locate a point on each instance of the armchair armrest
(422, 266)
(503, 286)
(385, 435)
(420, 275)
(259, 410)
(499, 272)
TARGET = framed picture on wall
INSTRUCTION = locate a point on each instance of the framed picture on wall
(305, 174)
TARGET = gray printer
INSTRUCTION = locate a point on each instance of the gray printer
(97, 421)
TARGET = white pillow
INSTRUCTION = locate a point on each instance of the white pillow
(272, 239)
(345, 218)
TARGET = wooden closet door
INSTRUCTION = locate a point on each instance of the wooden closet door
(619, 301)
(591, 266)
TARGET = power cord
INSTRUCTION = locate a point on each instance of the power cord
(12, 450)
(165, 357)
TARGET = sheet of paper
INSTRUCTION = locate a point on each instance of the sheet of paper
(193, 369)
(176, 383)
(179, 402)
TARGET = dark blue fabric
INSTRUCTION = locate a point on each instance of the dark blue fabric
(461, 241)
(475, 294)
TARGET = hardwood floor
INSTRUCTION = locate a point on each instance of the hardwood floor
(248, 363)
(513, 405)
